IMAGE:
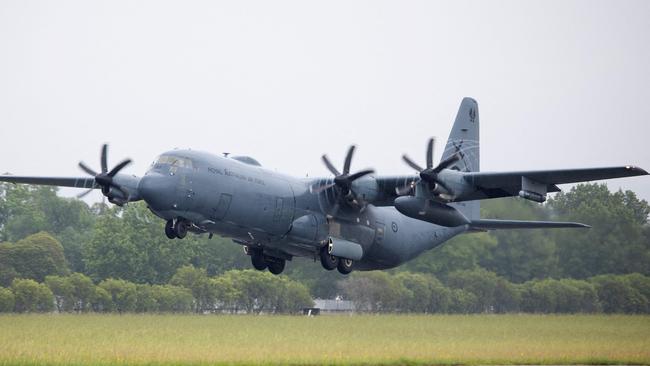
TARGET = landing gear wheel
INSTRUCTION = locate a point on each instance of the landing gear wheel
(180, 228)
(345, 266)
(276, 266)
(328, 261)
(169, 229)
(258, 261)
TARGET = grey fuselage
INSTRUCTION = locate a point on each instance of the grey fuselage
(235, 197)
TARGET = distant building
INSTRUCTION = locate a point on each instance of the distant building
(334, 305)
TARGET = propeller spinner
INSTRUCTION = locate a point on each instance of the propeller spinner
(105, 178)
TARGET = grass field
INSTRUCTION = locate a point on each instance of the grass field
(368, 339)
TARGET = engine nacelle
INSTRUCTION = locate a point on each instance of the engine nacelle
(433, 212)
(344, 249)
(115, 196)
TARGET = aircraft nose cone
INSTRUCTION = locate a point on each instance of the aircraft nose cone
(157, 190)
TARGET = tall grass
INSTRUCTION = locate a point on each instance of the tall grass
(366, 339)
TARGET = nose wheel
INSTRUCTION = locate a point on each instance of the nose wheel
(176, 228)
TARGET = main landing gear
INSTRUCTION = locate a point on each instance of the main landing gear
(261, 262)
(176, 228)
(329, 262)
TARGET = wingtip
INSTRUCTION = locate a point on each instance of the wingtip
(636, 170)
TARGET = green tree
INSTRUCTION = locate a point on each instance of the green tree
(173, 299)
(128, 243)
(464, 252)
(31, 296)
(418, 291)
(63, 292)
(257, 291)
(615, 244)
(101, 301)
(123, 294)
(374, 291)
(481, 283)
(25, 210)
(83, 291)
(7, 300)
(33, 257)
(617, 295)
(145, 299)
(197, 281)
(463, 302)
(292, 297)
(225, 293)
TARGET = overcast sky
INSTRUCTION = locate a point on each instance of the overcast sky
(560, 84)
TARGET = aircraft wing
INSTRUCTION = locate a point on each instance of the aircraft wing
(85, 182)
(504, 184)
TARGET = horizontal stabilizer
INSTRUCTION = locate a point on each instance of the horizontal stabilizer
(488, 224)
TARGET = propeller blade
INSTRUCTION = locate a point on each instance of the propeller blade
(357, 175)
(119, 167)
(86, 169)
(104, 158)
(446, 163)
(348, 160)
(84, 193)
(329, 165)
(424, 209)
(430, 153)
(411, 163)
(400, 191)
(319, 189)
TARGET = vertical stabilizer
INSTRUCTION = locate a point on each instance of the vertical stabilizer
(464, 140)
(464, 137)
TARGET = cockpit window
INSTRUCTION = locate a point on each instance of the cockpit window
(175, 161)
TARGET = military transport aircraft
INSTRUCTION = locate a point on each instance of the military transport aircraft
(353, 220)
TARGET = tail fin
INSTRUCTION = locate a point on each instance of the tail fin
(464, 137)
(464, 140)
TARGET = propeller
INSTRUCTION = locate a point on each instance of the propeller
(429, 174)
(105, 178)
(342, 181)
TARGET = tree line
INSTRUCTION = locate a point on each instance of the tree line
(481, 291)
(42, 234)
(190, 290)
(253, 292)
